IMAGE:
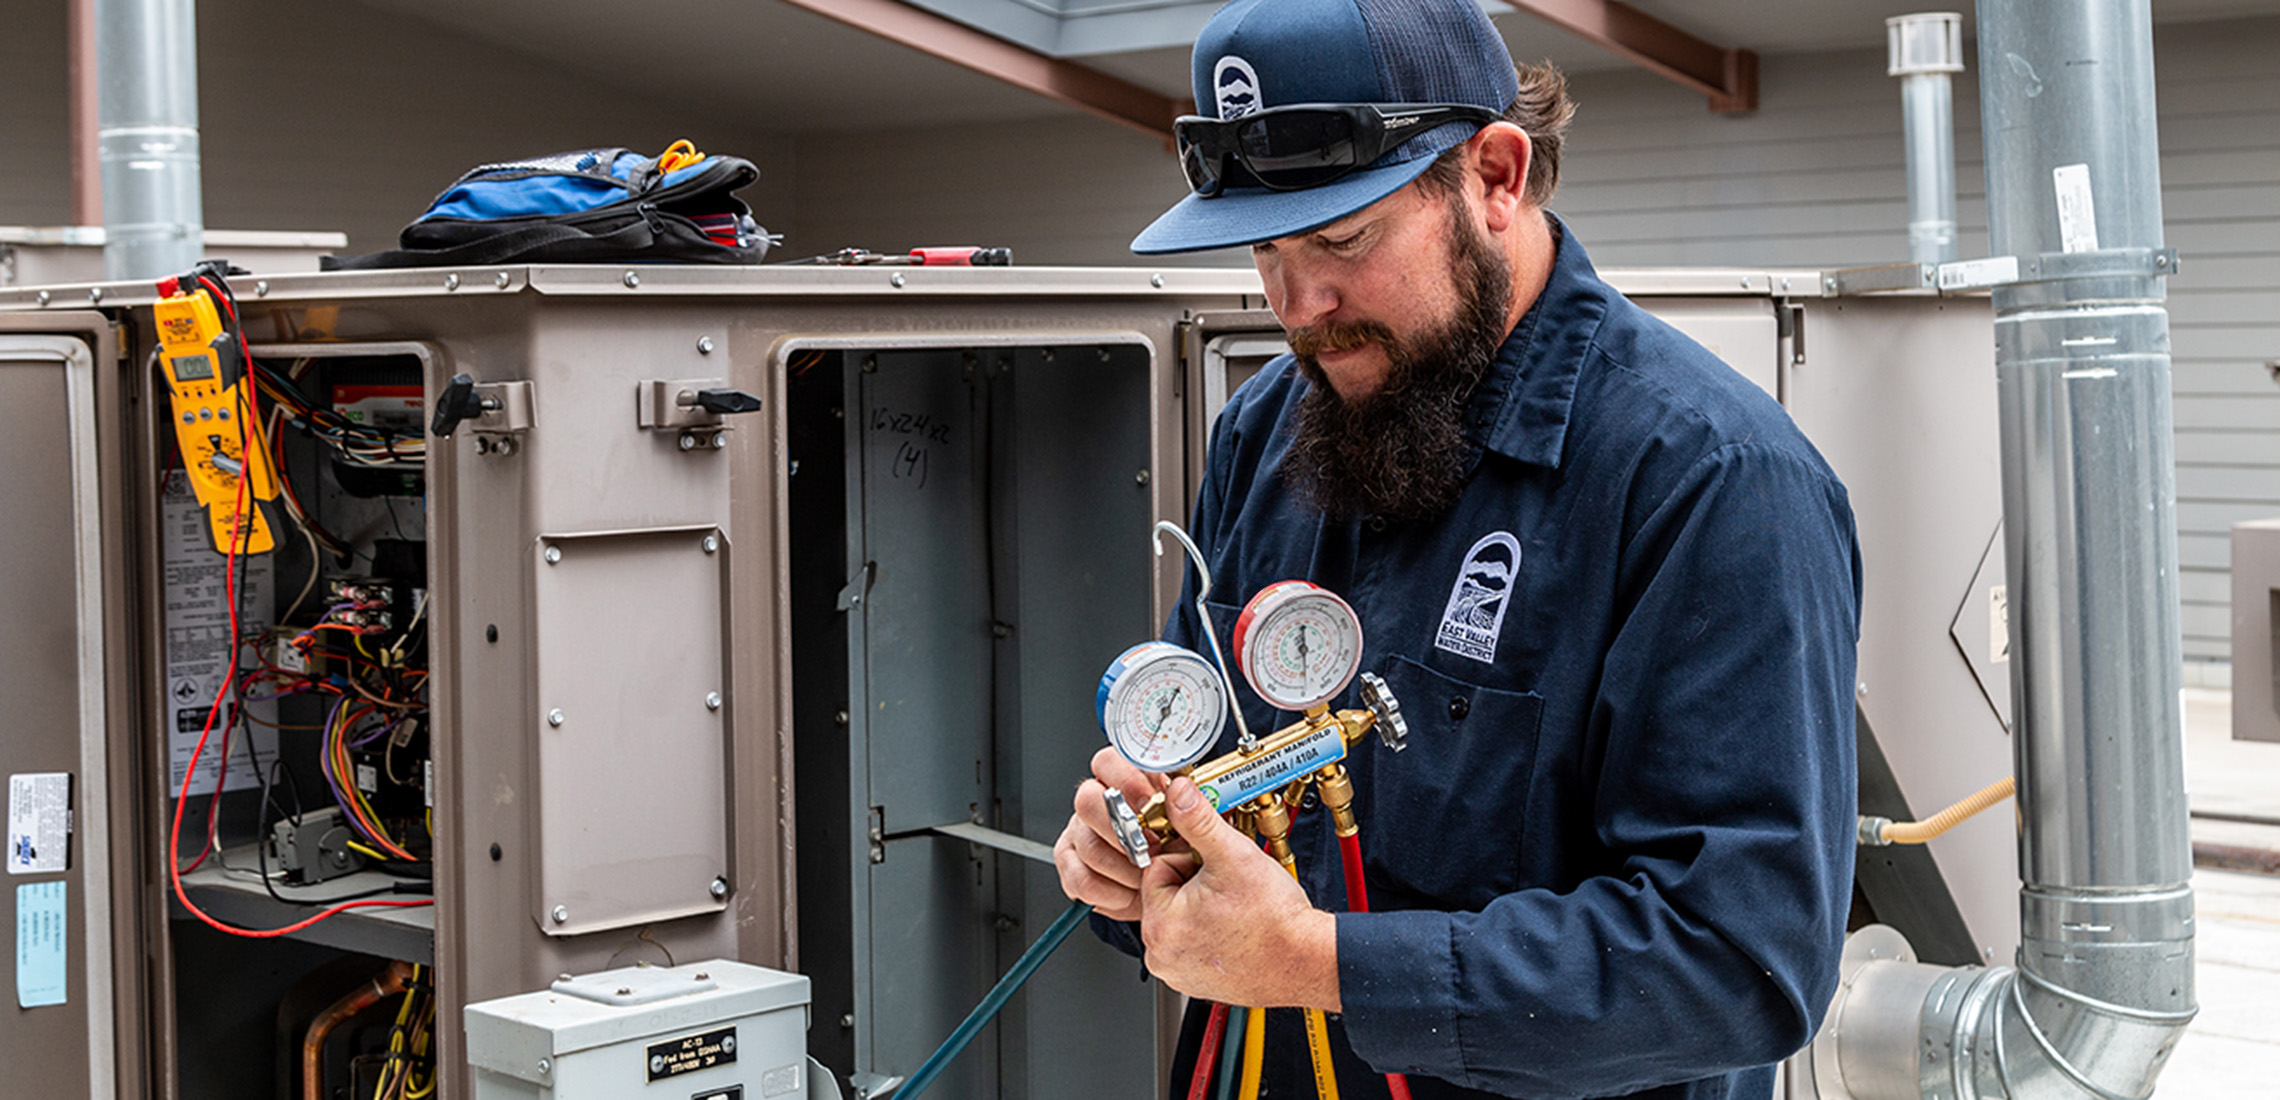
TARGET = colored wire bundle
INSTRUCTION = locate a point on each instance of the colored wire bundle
(358, 444)
(409, 1072)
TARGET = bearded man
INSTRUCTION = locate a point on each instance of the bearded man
(1611, 584)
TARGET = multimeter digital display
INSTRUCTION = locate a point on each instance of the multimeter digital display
(193, 368)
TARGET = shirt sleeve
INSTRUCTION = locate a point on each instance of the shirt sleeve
(1723, 804)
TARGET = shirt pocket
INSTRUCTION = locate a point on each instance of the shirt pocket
(1442, 820)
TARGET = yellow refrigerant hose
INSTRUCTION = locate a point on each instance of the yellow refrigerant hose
(1254, 1051)
(1877, 832)
(1317, 1043)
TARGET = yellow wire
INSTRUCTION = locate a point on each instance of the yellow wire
(373, 852)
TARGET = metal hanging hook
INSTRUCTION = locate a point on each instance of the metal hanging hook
(1203, 614)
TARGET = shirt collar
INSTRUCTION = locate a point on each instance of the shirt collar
(1521, 408)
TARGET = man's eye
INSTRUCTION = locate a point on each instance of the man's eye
(1342, 244)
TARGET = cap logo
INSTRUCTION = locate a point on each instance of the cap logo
(1235, 86)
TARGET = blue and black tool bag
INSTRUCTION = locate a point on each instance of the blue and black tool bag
(588, 206)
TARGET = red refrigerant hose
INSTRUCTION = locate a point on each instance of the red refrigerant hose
(1199, 1086)
(1358, 901)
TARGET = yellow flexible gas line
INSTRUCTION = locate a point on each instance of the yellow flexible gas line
(1917, 832)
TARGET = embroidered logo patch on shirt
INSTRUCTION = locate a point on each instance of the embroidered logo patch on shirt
(1475, 615)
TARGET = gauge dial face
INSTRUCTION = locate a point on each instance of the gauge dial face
(1161, 705)
(1299, 644)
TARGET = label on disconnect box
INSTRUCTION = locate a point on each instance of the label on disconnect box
(691, 1053)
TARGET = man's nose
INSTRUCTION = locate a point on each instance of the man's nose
(1306, 300)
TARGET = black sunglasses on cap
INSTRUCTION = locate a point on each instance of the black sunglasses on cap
(1304, 144)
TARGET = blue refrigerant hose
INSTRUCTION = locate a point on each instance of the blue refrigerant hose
(987, 1010)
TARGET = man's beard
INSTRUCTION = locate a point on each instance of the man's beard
(1401, 453)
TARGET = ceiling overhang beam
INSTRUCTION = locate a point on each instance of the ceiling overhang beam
(1066, 82)
(1728, 77)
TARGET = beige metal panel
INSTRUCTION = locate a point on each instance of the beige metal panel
(1741, 331)
(62, 658)
(2256, 631)
(1899, 395)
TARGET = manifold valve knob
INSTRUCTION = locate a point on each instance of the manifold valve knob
(1128, 830)
(1392, 728)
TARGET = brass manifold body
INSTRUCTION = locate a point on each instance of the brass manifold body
(1255, 786)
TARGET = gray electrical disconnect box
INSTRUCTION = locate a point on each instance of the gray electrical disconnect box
(718, 1030)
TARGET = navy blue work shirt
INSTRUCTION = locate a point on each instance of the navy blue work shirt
(1616, 857)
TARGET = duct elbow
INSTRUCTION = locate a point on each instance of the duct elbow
(1901, 1030)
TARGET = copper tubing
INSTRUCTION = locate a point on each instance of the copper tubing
(390, 982)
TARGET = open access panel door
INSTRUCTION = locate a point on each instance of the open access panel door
(67, 901)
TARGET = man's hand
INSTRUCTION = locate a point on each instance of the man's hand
(1091, 860)
(1224, 921)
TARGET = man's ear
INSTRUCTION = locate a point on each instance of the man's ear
(1501, 152)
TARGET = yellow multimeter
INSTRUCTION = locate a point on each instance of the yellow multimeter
(209, 423)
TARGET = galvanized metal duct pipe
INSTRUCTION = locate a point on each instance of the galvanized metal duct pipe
(1922, 50)
(147, 65)
(2104, 982)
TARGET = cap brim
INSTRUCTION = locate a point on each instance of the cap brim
(1248, 215)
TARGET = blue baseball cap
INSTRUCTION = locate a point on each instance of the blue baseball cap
(1256, 54)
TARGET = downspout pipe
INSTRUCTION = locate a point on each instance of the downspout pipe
(147, 136)
(1922, 50)
(2103, 985)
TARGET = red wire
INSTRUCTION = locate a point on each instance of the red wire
(1358, 901)
(1207, 1058)
(229, 587)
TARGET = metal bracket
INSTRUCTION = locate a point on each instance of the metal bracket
(1004, 842)
(858, 586)
(2051, 267)
(506, 408)
(1789, 324)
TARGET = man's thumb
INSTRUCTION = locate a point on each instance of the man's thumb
(1194, 818)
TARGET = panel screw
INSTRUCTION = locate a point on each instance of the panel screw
(719, 889)
(545, 1066)
(711, 544)
(712, 700)
(656, 1063)
(1156, 281)
(482, 445)
(503, 447)
(501, 280)
(451, 281)
(840, 718)
(1140, 478)
(261, 288)
(554, 717)
(561, 914)
(95, 294)
(1861, 688)
(553, 554)
(632, 279)
(847, 1020)
(41, 297)
(704, 345)
(895, 279)
(727, 1042)
(720, 441)
(688, 441)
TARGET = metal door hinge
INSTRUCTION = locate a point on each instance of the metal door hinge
(1789, 322)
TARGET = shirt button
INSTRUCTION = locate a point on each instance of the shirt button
(1459, 707)
(1377, 525)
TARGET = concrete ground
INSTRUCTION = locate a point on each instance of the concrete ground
(2233, 1048)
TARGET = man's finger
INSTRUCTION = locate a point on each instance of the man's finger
(1197, 822)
